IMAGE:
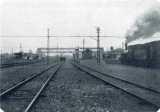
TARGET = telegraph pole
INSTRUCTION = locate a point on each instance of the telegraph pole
(98, 46)
(48, 45)
(58, 52)
(83, 44)
(12, 52)
(20, 48)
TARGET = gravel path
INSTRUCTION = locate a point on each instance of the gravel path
(76, 91)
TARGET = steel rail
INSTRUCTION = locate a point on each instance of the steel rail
(140, 86)
(92, 71)
(24, 81)
(2, 66)
(41, 89)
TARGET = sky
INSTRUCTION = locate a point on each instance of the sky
(23, 21)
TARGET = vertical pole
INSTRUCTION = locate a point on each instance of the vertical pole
(12, 52)
(48, 45)
(98, 45)
(83, 44)
(125, 45)
(78, 56)
(57, 52)
(20, 47)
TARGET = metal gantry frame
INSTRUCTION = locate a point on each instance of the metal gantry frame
(97, 38)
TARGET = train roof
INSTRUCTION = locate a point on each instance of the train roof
(142, 40)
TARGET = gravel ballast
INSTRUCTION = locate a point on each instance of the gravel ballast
(75, 91)
(13, 75)
(145, 77)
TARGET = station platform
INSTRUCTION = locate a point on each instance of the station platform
(146, 77)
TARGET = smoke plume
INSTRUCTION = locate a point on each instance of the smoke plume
(145, 26)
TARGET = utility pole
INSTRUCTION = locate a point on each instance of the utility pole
(58, 53)
(83, 44)
(98, 46)
(12, 51)
(78, 56)
(20, 48)
(48, 36)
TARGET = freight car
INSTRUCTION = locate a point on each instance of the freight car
(143, 52)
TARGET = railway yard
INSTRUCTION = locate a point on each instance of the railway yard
(69, 86)
(80, 56)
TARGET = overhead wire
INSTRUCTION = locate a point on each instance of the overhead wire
(59, 36)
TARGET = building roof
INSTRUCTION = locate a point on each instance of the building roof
(142, 40)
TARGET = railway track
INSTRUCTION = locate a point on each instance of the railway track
(2, 66)
(25, 93)
(145, 94)
(18, 84)
(73, 90)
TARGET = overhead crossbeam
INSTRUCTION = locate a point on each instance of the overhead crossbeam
(64, 50)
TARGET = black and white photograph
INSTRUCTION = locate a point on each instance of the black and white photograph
(79, 55)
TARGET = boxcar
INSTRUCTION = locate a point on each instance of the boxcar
(147, 54)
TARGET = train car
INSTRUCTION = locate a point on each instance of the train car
(137, 55)
(143, 52)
